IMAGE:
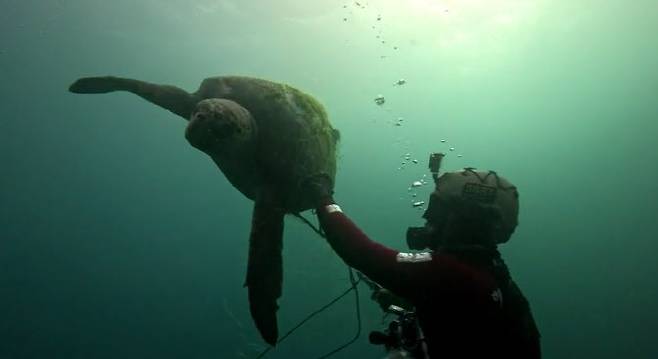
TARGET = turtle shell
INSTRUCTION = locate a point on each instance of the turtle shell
(294, 138)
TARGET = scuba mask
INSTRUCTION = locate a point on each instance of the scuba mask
(418, 238)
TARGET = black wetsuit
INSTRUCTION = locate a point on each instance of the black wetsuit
(467, 304)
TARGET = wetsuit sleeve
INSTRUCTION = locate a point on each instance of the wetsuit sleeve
(376, 261)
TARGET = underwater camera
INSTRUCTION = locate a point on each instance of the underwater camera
(435, 164)
(418, 238)
(402, 334)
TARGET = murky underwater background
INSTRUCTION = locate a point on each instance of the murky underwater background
(119, 240)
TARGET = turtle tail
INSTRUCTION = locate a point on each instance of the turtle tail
(265, 269)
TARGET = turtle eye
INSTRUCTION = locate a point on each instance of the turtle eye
(201, 116)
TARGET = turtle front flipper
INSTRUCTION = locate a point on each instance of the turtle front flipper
(168, 97)
(265, 268)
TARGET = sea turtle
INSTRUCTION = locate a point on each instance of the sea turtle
(267, 138)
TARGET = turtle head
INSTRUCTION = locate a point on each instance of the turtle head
(218, 125)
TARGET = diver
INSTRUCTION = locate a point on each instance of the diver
(460, 299)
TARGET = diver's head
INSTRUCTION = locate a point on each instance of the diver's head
(217, 125)
(467, 208)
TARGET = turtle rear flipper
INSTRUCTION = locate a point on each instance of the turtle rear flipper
(168, 97)
(265, 268)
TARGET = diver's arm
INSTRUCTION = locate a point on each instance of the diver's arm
(376, 261)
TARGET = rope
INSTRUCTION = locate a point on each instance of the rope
(358, 316)
(313, 227)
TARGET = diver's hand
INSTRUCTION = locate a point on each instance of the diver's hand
(319, 188)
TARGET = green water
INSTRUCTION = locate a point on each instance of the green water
(119, 240)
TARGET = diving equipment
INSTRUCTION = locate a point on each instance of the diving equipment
(473, 193)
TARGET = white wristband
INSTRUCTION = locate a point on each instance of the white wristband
(333, 208)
